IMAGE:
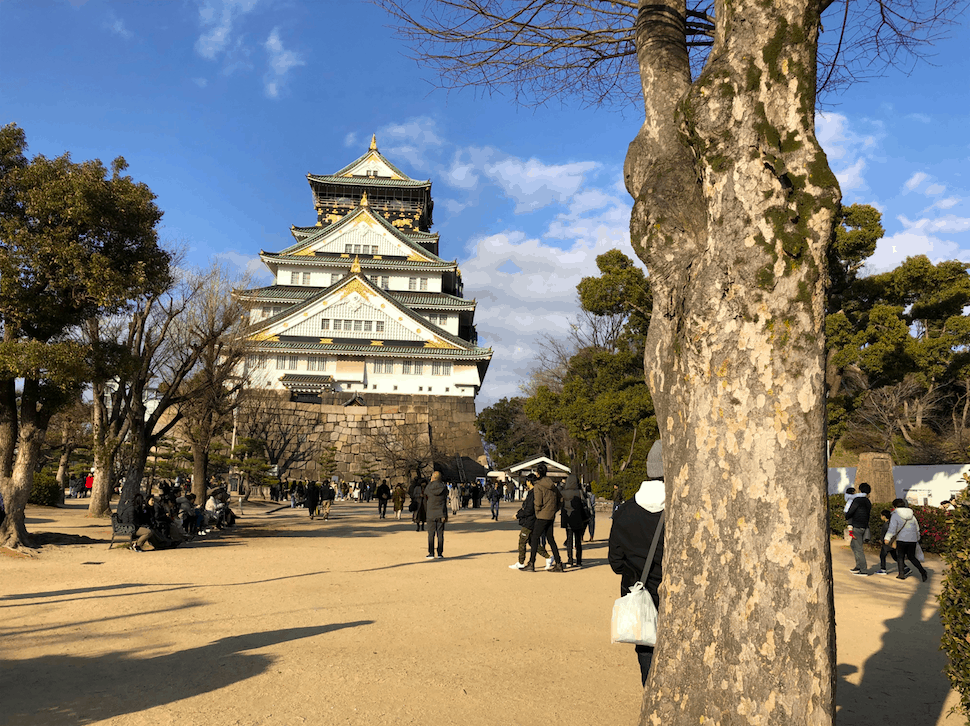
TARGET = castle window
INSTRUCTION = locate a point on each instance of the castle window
(348, 324)
(385, 282)
(356, 249)
(373, 249)
(424, 283)
(406, 367)
(412, 283)
(267, 312)
(334, 278)
(378, 326)
(442, 320)
(256, 361)
(325, 324)
(277, 309)
(367, 326)
(358, 325)
(348, 249)
(418, 368)
(306, 278)
(316, 363)
(294, 278)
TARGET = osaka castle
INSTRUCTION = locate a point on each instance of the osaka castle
(361, 304)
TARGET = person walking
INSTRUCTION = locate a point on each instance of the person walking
(454, 497)
(494, 497)
(617, 497)
(547, 504)
(591, 505)
(398, 496)
(634, 525)
(327, 497)
(312, 498)
(383, 495)
(857, 519)
(526, 517)
(904, 528)
(436, 504)
(575, 515)
(417, 506)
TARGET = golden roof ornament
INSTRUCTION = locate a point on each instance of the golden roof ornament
(373, 142)
(363, 200)
(355, 268)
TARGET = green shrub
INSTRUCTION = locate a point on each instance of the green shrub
(955, 602)
(629, 481)
(45, 491)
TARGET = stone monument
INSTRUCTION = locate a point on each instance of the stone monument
(877, 470)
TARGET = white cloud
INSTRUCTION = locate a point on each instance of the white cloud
(533, 185)
(914, 181)
(831, 132)
(949, 223)
(117, 26)
(934, 190)
(200, 82)
(947, 203)
(217, 18)
(281, 62)
(416, 142)
(350, 139)
(247, 264)
(851, 177)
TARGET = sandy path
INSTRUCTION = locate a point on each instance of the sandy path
(287, 621)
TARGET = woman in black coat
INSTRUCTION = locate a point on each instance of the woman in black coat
(575, 515)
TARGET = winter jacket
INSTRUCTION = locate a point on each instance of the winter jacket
(526, 515)
(858, 514)
(436, 494)
(903, 524)
(574, 512)
(630, 538)
(547, 499)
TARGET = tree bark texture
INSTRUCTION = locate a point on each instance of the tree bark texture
(734, 208)
(32, 432)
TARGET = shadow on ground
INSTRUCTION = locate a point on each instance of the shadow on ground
(909, 659)
(123, 683)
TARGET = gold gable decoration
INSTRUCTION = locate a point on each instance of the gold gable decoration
(439, 343)
(355, 267)
(363, 200)
(373, 143)
(355, 285)
(264, 337)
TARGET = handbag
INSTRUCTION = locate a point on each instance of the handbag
(634, 614)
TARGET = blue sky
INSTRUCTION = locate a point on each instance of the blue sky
(223, 106)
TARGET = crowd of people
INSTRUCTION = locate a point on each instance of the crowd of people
(172, 516)
(899, 536)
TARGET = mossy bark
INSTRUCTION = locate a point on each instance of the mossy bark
(734, 209)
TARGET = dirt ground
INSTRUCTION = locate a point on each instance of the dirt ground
(290, 621)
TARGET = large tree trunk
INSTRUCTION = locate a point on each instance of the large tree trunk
(734, 209)
(16, 488)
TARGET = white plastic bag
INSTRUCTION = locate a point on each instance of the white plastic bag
(634, 618)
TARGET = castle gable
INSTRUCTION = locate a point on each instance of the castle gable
(354, 312)
(361, 233)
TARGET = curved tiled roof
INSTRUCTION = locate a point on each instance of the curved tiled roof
(298, 293)
(366, 263)
(384, 351)
(367, 181)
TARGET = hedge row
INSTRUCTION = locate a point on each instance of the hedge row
(955, 602)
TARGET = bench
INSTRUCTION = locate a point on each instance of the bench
(119, 531)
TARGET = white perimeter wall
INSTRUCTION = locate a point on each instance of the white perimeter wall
(916, 484)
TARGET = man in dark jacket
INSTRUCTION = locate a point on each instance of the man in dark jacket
(547, 503)
(436, 498)
(526, 517)
(383, 495)
(634, 524)
(575, 515)
(857, 518)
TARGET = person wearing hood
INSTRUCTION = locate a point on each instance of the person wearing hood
(634, 524)
(575, 515)
(904, 527)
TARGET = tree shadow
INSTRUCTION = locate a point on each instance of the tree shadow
(906, 671)
(83, 690)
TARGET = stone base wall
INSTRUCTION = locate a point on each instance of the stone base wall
(363, 434)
